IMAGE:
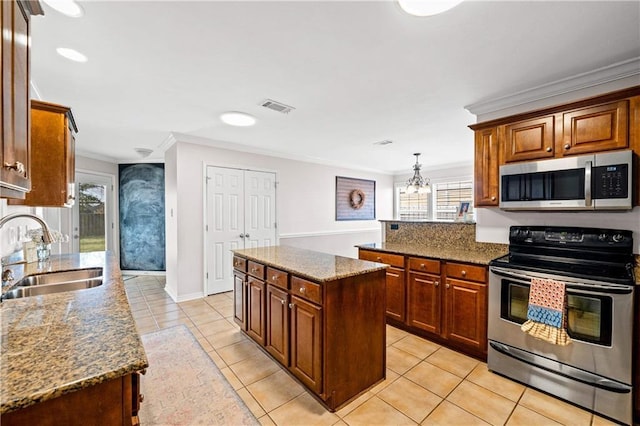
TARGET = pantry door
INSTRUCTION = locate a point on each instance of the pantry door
(240, 214)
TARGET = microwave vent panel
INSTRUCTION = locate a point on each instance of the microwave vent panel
(276, 106)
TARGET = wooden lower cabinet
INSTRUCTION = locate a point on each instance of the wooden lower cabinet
(466, 306)
(256, 314)
(396, 285)
(114, 402)
(277, 338)
(240, 299)
(445, 301)
(330, 335)
(306, 343)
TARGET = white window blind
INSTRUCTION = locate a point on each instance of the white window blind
(413, 206)
(448, 197)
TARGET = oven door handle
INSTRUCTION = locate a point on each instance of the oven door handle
(566, 371)
(581, 288)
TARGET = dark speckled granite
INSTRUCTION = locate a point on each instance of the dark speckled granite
(316, 266)
(59, 343)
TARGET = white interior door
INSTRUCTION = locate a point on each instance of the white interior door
(239, 202)
(260, 209)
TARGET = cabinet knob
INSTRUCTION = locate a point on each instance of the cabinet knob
(567, 146)
(493, 198)
(290, 305)
(422, 266)
(378, 258)
(549, 149)
(463, 273)
(274, 278)
(17, 166)
(447, 285)
(302, 289)
(283, 301)
(254, 269)
(436, 283)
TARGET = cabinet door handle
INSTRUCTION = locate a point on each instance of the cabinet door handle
(567, 146)
(17, 166)
(549, 149)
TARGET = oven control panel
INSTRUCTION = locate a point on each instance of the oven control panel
(585, 238)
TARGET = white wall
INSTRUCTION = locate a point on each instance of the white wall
(305, 208)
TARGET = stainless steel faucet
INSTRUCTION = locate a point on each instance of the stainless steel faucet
(47, 238)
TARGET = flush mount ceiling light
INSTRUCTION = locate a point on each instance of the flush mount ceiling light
(417, 183)
(427, 7)
(235, 118)
(71, 54)
(66, 7)
(143, 152)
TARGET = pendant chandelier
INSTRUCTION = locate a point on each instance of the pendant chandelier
(418, 184)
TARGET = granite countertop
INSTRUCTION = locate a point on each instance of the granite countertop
(58, 343)
(477, 253)
(316, 266)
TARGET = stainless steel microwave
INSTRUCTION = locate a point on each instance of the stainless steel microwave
(602, 181)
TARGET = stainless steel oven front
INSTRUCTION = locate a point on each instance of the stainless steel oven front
(595, 370)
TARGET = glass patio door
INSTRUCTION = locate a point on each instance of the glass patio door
(93, 226)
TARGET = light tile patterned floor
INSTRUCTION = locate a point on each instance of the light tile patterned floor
(426, 384)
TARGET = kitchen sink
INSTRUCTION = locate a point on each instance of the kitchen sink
(55, 282)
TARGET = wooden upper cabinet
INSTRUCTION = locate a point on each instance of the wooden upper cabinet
(596, 128)
(486, 167)
(53, 131)
(14, 108)
(529, 140)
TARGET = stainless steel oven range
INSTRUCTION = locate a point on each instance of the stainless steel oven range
(595, 370)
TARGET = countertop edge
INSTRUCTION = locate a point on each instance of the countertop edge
(406, 250)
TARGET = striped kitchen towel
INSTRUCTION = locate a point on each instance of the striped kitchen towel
(546, 314)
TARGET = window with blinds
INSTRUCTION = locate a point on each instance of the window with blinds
(448, 196)
(413, 206)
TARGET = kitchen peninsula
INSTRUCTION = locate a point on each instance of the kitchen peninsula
(75, 353)
(321, 316)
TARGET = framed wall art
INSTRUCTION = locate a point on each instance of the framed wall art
(355, 199)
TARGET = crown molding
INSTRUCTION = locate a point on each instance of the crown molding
(586, 80)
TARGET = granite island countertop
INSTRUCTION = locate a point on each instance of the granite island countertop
(316, 266)
(58, 343)
(478, 253)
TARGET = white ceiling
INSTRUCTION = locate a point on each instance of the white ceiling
(356, 72)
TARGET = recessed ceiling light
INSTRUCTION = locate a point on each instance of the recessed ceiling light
(66, 7)
(235, 118)
(71, 54)
(427, 7)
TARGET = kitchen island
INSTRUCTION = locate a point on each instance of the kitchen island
(70, 357)
(322, 317)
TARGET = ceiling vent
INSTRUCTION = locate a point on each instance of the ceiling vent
(276, 106)
(384, 142)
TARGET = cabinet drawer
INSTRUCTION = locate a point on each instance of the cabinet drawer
(306, 289)
(278, 278)
(376, 256)
(240, 263)
(466, 271)
(256, 270)
(424, 265)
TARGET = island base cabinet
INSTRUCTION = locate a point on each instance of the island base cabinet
(277, 338)
(107, 403)
(306, 343)
(256, 310)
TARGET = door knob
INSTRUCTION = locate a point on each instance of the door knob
(242, 235)
(246, 235)
(17, 166)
